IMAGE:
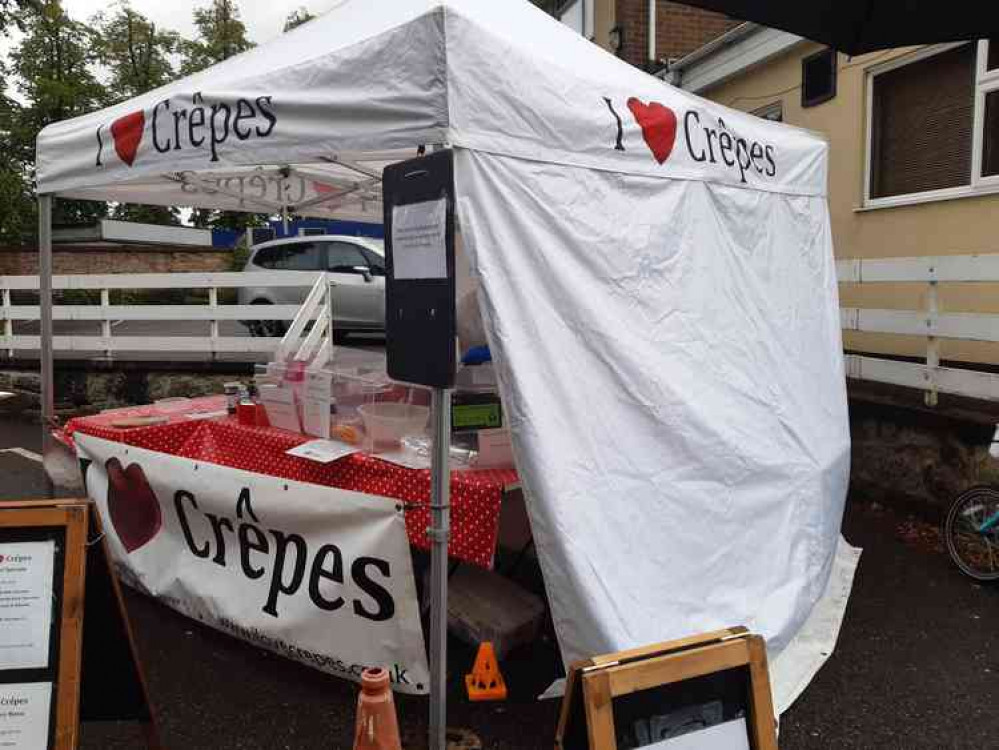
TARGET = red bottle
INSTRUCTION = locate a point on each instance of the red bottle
(246, 413)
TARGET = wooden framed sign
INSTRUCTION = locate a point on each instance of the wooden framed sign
(42, 569)
(707, 692)
(54, 575)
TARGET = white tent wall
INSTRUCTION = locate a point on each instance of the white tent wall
(656, 278)
(670, 361)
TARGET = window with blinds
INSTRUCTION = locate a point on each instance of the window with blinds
(922, 124)
(989, 83)
(990, 139)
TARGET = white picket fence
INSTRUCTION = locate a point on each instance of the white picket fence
(931, 323)
(108, 344)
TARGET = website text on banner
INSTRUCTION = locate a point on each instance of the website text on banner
(320, 575)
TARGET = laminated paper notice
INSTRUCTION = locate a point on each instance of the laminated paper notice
(419, 234)
(322, 451)
(26, 570)
(732, 735)
(24, 715)
(316, 403)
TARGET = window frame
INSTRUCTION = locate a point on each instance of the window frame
(376, 269)
(267, 261)
(328, 246)
(834, 69)
(274, 254)
(766, 110)
(985, 82)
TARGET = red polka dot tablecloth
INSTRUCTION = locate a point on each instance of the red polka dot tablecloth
(476, 494)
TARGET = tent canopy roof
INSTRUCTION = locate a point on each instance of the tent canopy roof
(309, 119)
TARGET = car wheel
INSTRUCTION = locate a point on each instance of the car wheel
(265, 328)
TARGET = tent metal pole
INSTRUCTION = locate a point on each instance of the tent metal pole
(439, 533)
(45, 302)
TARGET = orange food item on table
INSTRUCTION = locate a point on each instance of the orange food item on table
(347, 433)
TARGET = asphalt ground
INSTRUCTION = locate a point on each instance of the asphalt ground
(917, 666)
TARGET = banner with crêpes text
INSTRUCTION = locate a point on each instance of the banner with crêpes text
(317, 574)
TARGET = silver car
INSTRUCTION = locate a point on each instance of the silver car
(357, 265)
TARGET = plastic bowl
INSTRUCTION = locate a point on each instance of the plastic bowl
(389, 422)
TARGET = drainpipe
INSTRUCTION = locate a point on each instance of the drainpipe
(652, 32)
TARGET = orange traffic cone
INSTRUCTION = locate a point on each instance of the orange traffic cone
(377, 727)
(485, 683)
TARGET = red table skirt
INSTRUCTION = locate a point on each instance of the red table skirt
(475, 494)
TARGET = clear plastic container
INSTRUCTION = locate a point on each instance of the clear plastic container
(358, 378)
(386, 423)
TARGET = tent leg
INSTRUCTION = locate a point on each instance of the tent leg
(439, 532)
(45, 302)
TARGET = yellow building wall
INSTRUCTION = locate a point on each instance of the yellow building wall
(952, 227)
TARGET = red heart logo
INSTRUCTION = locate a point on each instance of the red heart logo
(127, 134)
(133, 507)
(658, 126)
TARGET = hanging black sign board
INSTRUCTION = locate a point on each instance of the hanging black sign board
(418, 197)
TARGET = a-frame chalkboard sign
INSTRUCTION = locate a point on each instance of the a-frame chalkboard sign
(66, 653)
(706, 692)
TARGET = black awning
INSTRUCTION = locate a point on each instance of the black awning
(858, 26)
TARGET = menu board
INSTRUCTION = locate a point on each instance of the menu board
(25, 708)
(51, 676)
(26, 570)
(33, 587)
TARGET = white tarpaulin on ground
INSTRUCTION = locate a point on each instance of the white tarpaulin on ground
(320, 575)
(656, 278)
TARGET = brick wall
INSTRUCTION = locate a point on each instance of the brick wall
(120, 259)
(680, 29)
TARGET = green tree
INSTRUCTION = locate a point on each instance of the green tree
(138, 58)
(165, 215)
(17, 209)
(208, 218)
(52, 65)
(136, 54)
(221, 34)
(297, 18)
(12, 12)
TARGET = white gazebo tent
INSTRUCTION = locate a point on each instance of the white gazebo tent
(655, 278)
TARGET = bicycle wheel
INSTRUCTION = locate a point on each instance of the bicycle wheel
(975, 552)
